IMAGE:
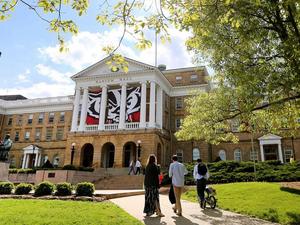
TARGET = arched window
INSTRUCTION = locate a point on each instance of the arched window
(222, 155)
(179, 154)
(55, 161)
(44, 159)
(238, 155)
(196, 154)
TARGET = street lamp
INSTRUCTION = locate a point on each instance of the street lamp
(72, 152)
(139, 148)
(33, 158)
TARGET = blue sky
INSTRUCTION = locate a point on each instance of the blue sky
(31, 64)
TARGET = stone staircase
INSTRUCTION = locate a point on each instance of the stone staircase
(120, 182)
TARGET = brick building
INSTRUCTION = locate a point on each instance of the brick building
(115, 117)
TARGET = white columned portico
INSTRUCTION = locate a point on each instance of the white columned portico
(143, 104)
(24, 161)
(123, 107)
(103, 107)
(152, 104)
(83, 109)
(270, 139)
(159, 107)
(74, 126)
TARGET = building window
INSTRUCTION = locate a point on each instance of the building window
(20, 120)
(44, 159)
(62, 117)
(10, 120)
(27, 135)
(17, 136)
(179, 154)
(194, 77)
(196, 154)
(49, 132)
(254, 155)
(178, 79)
(59, 133)
(222, 155)
(178, 103)
(30, 117)
(237, 155)
(37, 134)
(55, 161)
(12, 161)
(51, 117)
(177, 123)
(41, 118)
(288, 153)
(234, 125)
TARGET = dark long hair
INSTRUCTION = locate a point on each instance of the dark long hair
(151, 159)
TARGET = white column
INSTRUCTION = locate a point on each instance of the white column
(159, 107)
(83, 109)
(123, 107)
(27, 161)
(39, 160)
(143, 105)
(102, 107)
(36, 159)
(24, 161)
(152, 105)
(261, 146)
(75, 110)
(280, 152)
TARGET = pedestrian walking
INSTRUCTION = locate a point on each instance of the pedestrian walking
(177, 171)
(201, 175)
(138, 166)
(131, 167)
(151, 184)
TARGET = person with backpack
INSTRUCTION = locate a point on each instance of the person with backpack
(201, 176)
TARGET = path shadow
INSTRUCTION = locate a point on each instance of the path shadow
(294, 218)
(153, 221)
(290, 190)
(181, 220)
(212, 212)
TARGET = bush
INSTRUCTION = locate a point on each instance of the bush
(23, 189)
(85, 189)
(69, 167)
(44, 188)
(63, 189)
(88, 169)
(6, 188)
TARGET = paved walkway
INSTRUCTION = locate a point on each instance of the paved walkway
(192, 214)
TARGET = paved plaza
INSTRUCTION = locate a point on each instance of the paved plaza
(192, 214)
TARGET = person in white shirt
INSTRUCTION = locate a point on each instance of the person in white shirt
(201, 175)
(131, 167)
(177, 171)
(138, 166)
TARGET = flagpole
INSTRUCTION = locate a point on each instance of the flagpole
(155, 48)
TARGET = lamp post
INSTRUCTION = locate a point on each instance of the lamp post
(139, 148)
(33, 158)
(72, 152)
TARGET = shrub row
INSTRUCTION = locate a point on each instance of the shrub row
(65, 167)
(232, 171)
(47, 188)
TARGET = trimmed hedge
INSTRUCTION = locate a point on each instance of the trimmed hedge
(63, 189)
(23, 189)
(6, 188)
(85, 189)
(44, 188)
(79, 168)
(232, 171)
(26, 171)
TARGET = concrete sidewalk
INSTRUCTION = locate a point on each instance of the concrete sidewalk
(192, 214)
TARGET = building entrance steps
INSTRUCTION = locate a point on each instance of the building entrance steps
(120, 182)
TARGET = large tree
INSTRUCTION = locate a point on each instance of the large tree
(253, 46)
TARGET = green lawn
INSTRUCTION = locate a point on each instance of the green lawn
(57, 212)
(263, 200)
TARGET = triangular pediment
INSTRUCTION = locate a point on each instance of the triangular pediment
(270, 137)
(101, 68)
(31, 147)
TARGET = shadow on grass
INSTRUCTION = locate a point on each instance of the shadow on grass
(294, 218)
(290, 190)
(271, 215)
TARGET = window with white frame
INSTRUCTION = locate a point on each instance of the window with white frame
(253, 155)
(30, 118)
(17, 136)
(177, 123)
(222, 155)
(234, 125)
(37, 134)
(178, 79)
(55, 161)
(237, 155)
(179, 154)
(194, 77)
(288, 153)
(59, 133)
(178, 103)
(10, 120)
(41, 118)
(196, 154)
(51, 117)
(62, 117)
(27, 135)
(49, 132)
(20, 119)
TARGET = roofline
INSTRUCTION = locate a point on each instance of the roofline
(184, 69)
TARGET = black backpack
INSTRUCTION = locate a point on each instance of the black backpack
(202, 170)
